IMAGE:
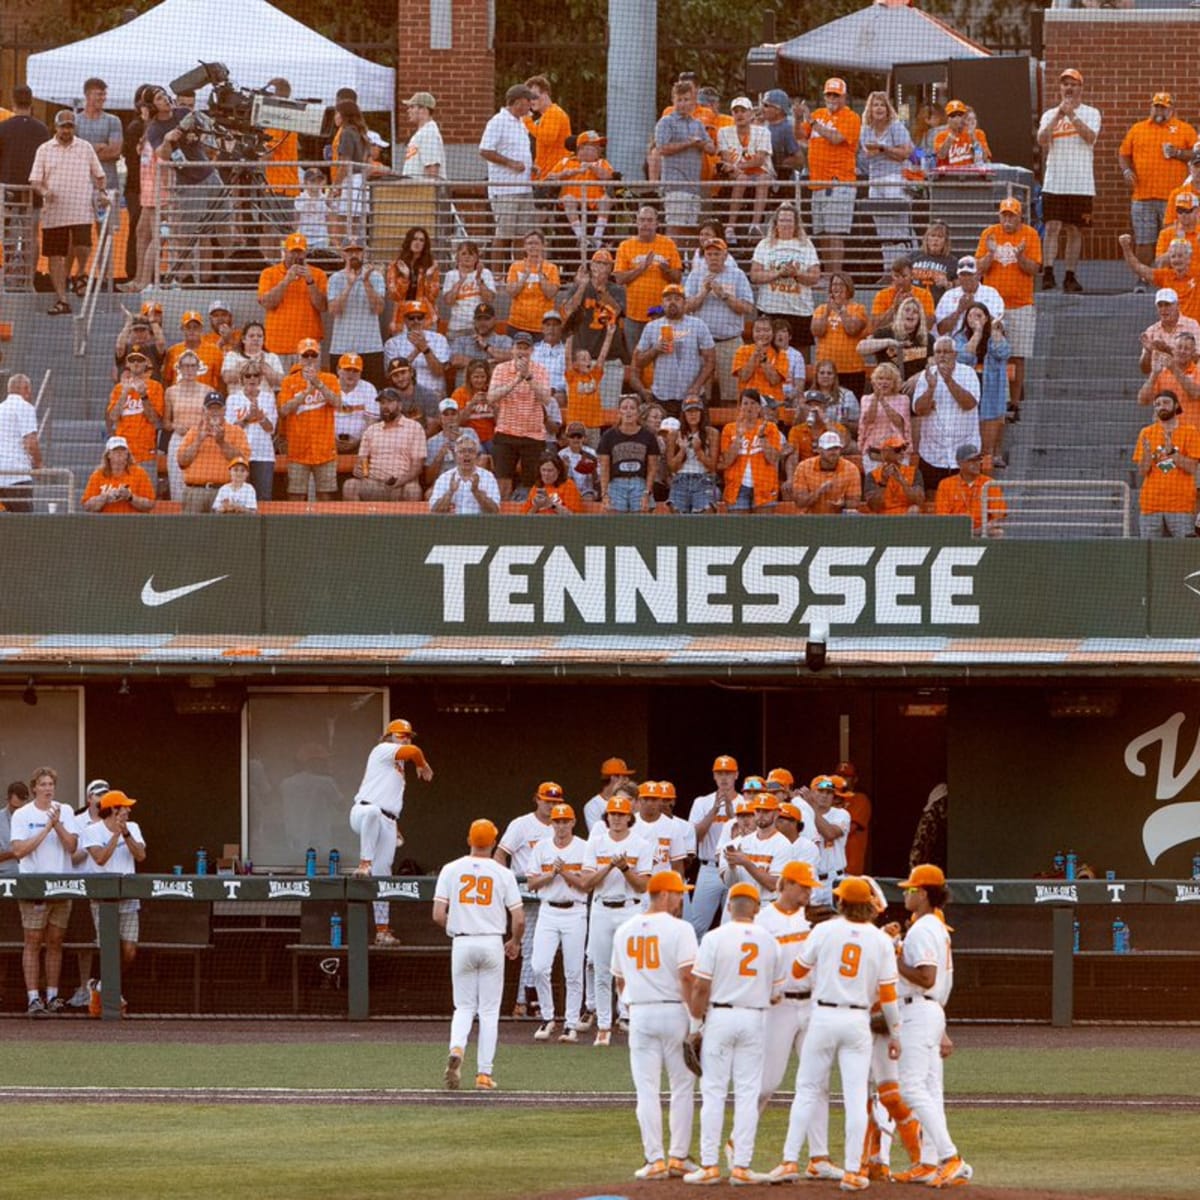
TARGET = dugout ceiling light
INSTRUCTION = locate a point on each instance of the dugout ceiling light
(472, 700)
(1084, 704)
(29, 695)
(816, 648)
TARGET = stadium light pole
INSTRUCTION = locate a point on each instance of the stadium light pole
(632, 83)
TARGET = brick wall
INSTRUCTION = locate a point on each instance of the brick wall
(1125, 57)
(461, 79)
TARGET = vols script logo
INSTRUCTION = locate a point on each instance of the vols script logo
(1173, 824)
(155, 599)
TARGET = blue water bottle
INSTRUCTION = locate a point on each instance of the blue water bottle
(335, 931)
(1120, 937)
(1075, 937)
(310, 862)
(335, 862)
(201, 861)
(1072, 863)
(1196, 866)
(1060, 862)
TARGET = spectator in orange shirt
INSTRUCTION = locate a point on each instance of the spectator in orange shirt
(832, 133)
(894, 488)
(1181, 376)
(308, 400)
(813, 421)
(1178, 276)
(135, 412)
(888, 300)
(532, 284)
(209, 371)
(548, 125)
(221, 332)
(293, 295)
(645, 265)
(750, 450)
(858, 805)
(1153, 159)
(1190, 186)
(961, 495)
(117, 485)
(1165, 456)
(205, 454)
(554, 494)
(413, 276)
(1009, 256)
(1185, 227)
(827, 485)
(760, 365)
(584, 377)
(577, 199)
(956, 146)
(837, 327)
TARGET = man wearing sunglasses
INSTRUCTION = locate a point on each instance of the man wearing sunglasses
(426, 350)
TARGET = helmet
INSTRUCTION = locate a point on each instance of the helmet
(401, 727)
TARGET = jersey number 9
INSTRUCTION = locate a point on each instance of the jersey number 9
(644, 952)
(476, 889)
(851, 956)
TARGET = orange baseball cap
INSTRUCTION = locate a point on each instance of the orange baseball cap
(765, 802)
(115, 800)
(1163, 99)
(725, 762)
(955, 108)
(754, 783)
(799, 872)
(1011, 205)
(673, 289)
(835, 86)
(715, 244)
(614, 766)
(823, 783)
(295, 241)
(550, 791)
(562, 812)
(781, 775)
(150, 307)
(239, 462)
(413, 306)
(190, 316)
(742, 807)
(602, 255)
(854, 890)
(839, 785)
(895, 442)
(482, 834)
(619, 804)
(747, 890)
(666, 881)
(791, 812)
(590, 138)
(1071, 73)
(1185, 201)
(350, 362)
(666, 789)
(400, 726)
(308, 344)
(650, 789)
(924, 875)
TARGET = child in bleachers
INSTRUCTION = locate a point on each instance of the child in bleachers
(313, 209)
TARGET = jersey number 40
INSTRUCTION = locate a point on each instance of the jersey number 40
(644, 952)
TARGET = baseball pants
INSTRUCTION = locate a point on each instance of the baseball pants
(377, 843)
(844, 1034)
(565, 927)
(601, 927)
(732, 1050)
(785, 1026)
(921, 1027)
(656, 1033)
(532, 908)
(477, 975)
(706, 900)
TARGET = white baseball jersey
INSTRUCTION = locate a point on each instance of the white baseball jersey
(572, 855)
(790, 931)
(687, 833)
(770, 854)
(601, 851)
(520, 839)
(833, 850)
(593, 811)
(479, 893)
(804, 850)
(649, 951)
(382, 783)
(848, 962)
(808, 828)
(664, 838)
(742, 960)
(121, 860)
(729, 835)
(51, 857)
(87, 864)
(701, 807)
(927, 943)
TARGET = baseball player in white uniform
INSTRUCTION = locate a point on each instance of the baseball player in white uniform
(758, 857)
(710, 816)
(557, 875)
(830, 825)
(617, 866)
(516, 851)
(658, 829)
(613, 772)
(736, 975)
(667, 798)
(788, 821)
(852, 965)
(787, 1021)
(926, 968)
(377, 807)
(652, 958)
(474, 899)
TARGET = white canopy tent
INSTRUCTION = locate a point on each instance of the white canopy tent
(875, 38)
(252, 38)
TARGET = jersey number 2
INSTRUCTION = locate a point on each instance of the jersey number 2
(644, 952)
(476, 889)
(749, 954)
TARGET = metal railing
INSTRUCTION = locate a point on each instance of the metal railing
(225, 232)
(18, 236)
(100, 274)
(1056, 508)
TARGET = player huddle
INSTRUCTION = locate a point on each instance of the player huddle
(780, 972)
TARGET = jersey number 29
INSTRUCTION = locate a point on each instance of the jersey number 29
(476, 889)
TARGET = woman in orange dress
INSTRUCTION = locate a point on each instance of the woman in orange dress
(414, 275)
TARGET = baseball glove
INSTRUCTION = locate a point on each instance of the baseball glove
(878, 1024)
(691, 1053)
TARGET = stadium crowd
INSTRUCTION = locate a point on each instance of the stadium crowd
(705, 354)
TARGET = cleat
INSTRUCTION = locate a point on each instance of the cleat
(519, 1012)
(484, 1083)
(453, 1075)
(653, 1170)
(729, 1154)
(603, 1037)
(878, 1172)
(623, 1024)
(95, 1000)
(952, 1173)
(586, 1023)
(36, 1008)
(546, 1031)
(920, 1173)
(569, 1035)
(744, 1177)
(677, 1168)
(703, 1176)
(82, 995)
(786, 1172)
(56, 1007)
(385, 937)
(363, 870)
(854, 1183)
(822, 1168)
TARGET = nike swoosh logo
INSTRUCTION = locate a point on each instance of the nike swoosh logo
(1192, 582)
(153, 599)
